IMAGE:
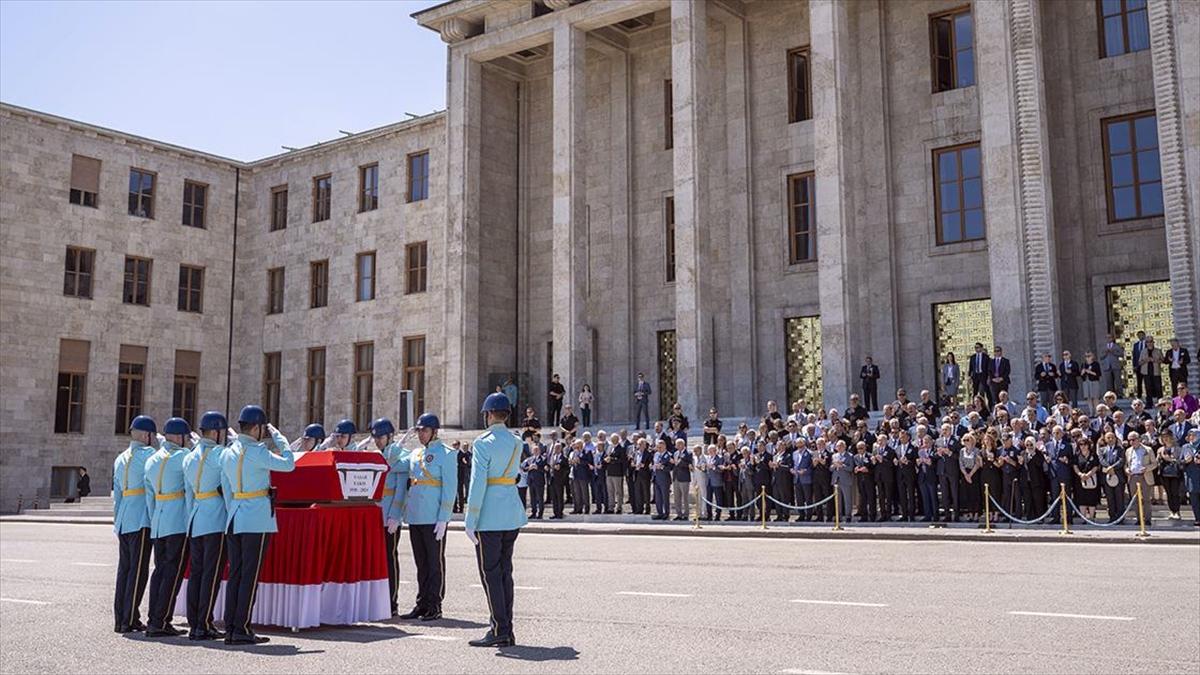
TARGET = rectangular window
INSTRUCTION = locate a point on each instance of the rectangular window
(668, 115)
(72, 386)
(952, 48)
(802, 218)
(318, 286)
(195, 201)
(77, 274)
(279, 207)
(131, 376)
(364, 383)
(364, 265)
(137, 281)
(322, 194)
(669, 220)
(141, 193)
(316, 385)
(1124, 26)
(416, 265)
(191, 289)
(275, 290)
(272, 370)
(799, 86)
(418, 176)
(368, 187)
(187, 379)
(85, 181)
(958, 194)
(414, 370)
(1131, 168)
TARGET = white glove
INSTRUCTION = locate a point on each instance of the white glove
(233, 434)
(392, 525)
(439, 530)
(362, 445)
(472, 537)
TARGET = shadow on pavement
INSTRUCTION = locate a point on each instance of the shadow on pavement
(454, 623)
(264, 649)
(530, 653)
(360, 634)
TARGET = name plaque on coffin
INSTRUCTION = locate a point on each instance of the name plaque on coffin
(332, 476)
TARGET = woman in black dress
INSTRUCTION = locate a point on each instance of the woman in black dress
(1087, 483)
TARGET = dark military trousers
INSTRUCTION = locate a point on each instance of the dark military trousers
(391, 542)
(170, 556)
(207, 558)
(494, 554)
(246, 553)
(429, 555)
(133, 569)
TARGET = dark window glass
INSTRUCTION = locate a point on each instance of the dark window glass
(1124, 27)
(414, 369)
(130, 377)
(195, 200)
(416, 267)
(418, 176)
(1132, 167)
(799, 93)
(279, 207)
(802, 218)
(365, 272)
(669, 220)
(958, 195)
(141, 193)
(318, 290)
(191, 288)
(316, 385)
(364, 383)
(77, 275)
(272, 365)
(275, 290)
(668, 115)
(69, 403)
(136, 289)
(322, 197)
(952, 43)
(368, 188)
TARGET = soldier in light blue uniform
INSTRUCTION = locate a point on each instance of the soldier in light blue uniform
(168, 525)
(392, 504)
(314, 434)
(246, 467)
(495, 516)
(433, 482)
(131, 523)
(206, 525)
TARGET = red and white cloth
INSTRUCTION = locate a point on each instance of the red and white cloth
(327, 564)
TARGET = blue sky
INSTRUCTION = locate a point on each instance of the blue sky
(238, 79)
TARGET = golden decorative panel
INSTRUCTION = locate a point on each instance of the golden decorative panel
(957, 326)
(802, 337)
(1137, 307)
(668, 394)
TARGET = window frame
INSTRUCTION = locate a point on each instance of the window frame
(80, 253)
(669, 261)
(202, 208)
(811, 206)
(153, 191)
(410, 195)
(411, 371)
(185, 384)
(1101, 37)
(368, 195)
(189, 289)
(1129, 118)
(357, 406)
(314, 401)
(322, 209)
(275, 286)
(416, 268)
(279, 217)
(953, 58)
(126, 404)
(668, 114)
(937, 194)
(358, 276)
(126, 281)
(795, 88)
(72, 190)
(272, 377)
(318, 283)
(76, 382)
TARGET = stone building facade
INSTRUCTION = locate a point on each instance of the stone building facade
(741, 199)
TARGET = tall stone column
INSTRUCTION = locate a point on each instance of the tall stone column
(460, 387)
(830, 40)
(620, 400)
(570, 332)
(1174, 36)
(1016, 183)
(693, 325)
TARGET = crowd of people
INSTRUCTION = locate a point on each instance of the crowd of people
(929, 460)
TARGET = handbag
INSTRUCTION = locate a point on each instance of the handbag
(1088, 482)
(1112, 479)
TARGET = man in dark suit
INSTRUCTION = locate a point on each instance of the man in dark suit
(978, 370)
(1177, 359)
(1068, 372)
(1046, 376)
(999, 372)
(870, 384)
(1138, 346)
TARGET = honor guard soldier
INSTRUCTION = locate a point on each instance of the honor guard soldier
(392, 504)
(341, 438)
(131, 522)
(168, 525)
(206, 525)
(246, 467)
(433, 482)
(313, 435)
(495, 516)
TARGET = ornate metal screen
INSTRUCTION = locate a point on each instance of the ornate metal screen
(957, 326)
(802, 336)
(667, 393)
(1139, 307)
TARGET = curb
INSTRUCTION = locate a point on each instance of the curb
(924, 535)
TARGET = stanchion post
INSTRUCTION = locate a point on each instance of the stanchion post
(987, 509)
(1062, 496)
(696, 518)
(762, 494)
(1142, 533)
(837, 508)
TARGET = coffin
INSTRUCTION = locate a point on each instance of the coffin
(330, 477)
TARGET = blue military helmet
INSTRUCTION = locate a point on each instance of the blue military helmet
(177, 426)
(429, 421)
(496, 402)
(382, 427)
(252, 415)
(213, 421)
(143, 423)
(314, 431)
(345, 427)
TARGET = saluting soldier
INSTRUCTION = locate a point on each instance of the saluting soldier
(392, 504)
(168, 525)
(433, 482)
(314, 434)
(495, 516)
(246, 467)
(131, 523)
(206, 525)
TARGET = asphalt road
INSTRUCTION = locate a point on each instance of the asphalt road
(599, 604)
